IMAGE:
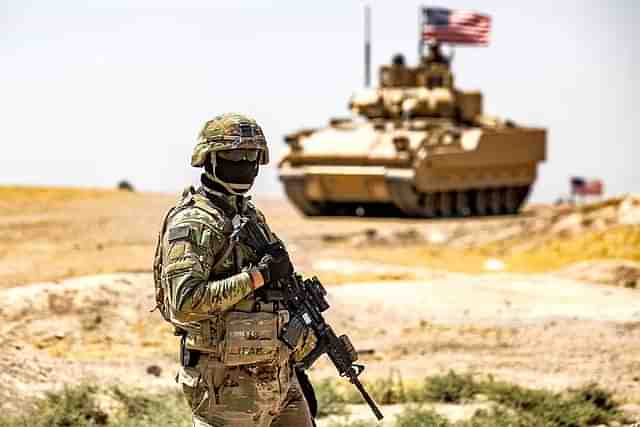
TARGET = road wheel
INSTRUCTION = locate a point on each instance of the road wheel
(446, 203)
(429, 206)
(511, 200)
(462, 203)
(294, 189)
(496, 201)
(405, 196)
(481, 202)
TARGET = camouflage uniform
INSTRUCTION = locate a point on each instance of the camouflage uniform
(243, 375)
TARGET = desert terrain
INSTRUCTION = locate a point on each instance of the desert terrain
(547, 299)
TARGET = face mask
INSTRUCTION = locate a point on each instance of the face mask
(236, 177)
(240, 172)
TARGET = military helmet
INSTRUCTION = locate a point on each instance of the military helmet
(230, 131)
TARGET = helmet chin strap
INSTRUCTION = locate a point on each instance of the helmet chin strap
(233, 188)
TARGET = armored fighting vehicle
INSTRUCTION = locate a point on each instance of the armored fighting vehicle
(416, 146)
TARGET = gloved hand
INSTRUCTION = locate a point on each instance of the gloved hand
(275, 265)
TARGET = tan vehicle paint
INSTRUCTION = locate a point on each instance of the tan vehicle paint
(417, 146)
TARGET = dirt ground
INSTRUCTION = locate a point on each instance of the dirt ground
(421, 296)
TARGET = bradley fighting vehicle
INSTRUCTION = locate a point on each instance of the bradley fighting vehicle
(418, 146)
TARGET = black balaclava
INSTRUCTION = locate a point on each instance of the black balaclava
(240, 172)
(235, 177)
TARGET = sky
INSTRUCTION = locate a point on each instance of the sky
(98, 91)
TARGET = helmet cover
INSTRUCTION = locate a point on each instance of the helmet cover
(230, 131)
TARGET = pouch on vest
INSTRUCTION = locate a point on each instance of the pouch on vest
(251, 338)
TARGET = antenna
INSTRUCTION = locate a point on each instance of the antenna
(367, 46)
(420, 33)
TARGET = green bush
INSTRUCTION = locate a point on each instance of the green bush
(330, 401)
(146, 410)
(596, 396)
(450, 388)
(515, 406)
(588, 405)
(348, 423)
(77, 406)
(69, 407)
(499, 417)
(392, 390)
(418, 416)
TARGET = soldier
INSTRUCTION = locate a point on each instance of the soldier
(436, 56)
(216, 283)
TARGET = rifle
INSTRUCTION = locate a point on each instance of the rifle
(306, 300)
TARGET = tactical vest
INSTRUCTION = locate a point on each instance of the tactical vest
(240, 237)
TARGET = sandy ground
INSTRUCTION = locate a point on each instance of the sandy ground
(106, 232)
(518, 328)
(540, 330)
(92, 233)
(101, 231)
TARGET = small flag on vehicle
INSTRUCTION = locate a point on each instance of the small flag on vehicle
(583, 187)
(455, 26)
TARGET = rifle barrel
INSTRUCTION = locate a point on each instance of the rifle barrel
(355, 381)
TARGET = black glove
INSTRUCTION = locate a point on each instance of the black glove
(275, 265)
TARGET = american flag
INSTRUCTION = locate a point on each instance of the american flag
(584, 187)
(455, 26)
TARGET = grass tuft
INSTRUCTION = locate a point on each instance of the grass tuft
(348, 423)
(330, 400)
(414, 416)
(81, 406)
(70, 407)
(499, 417)
(450, 388)
(589, 405)
(513, 406)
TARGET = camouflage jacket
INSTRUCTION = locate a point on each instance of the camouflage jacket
(202, 274)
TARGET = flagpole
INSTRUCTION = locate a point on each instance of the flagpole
(367, 46)
(420, 34)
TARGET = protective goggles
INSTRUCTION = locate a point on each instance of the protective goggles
(237, 155)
